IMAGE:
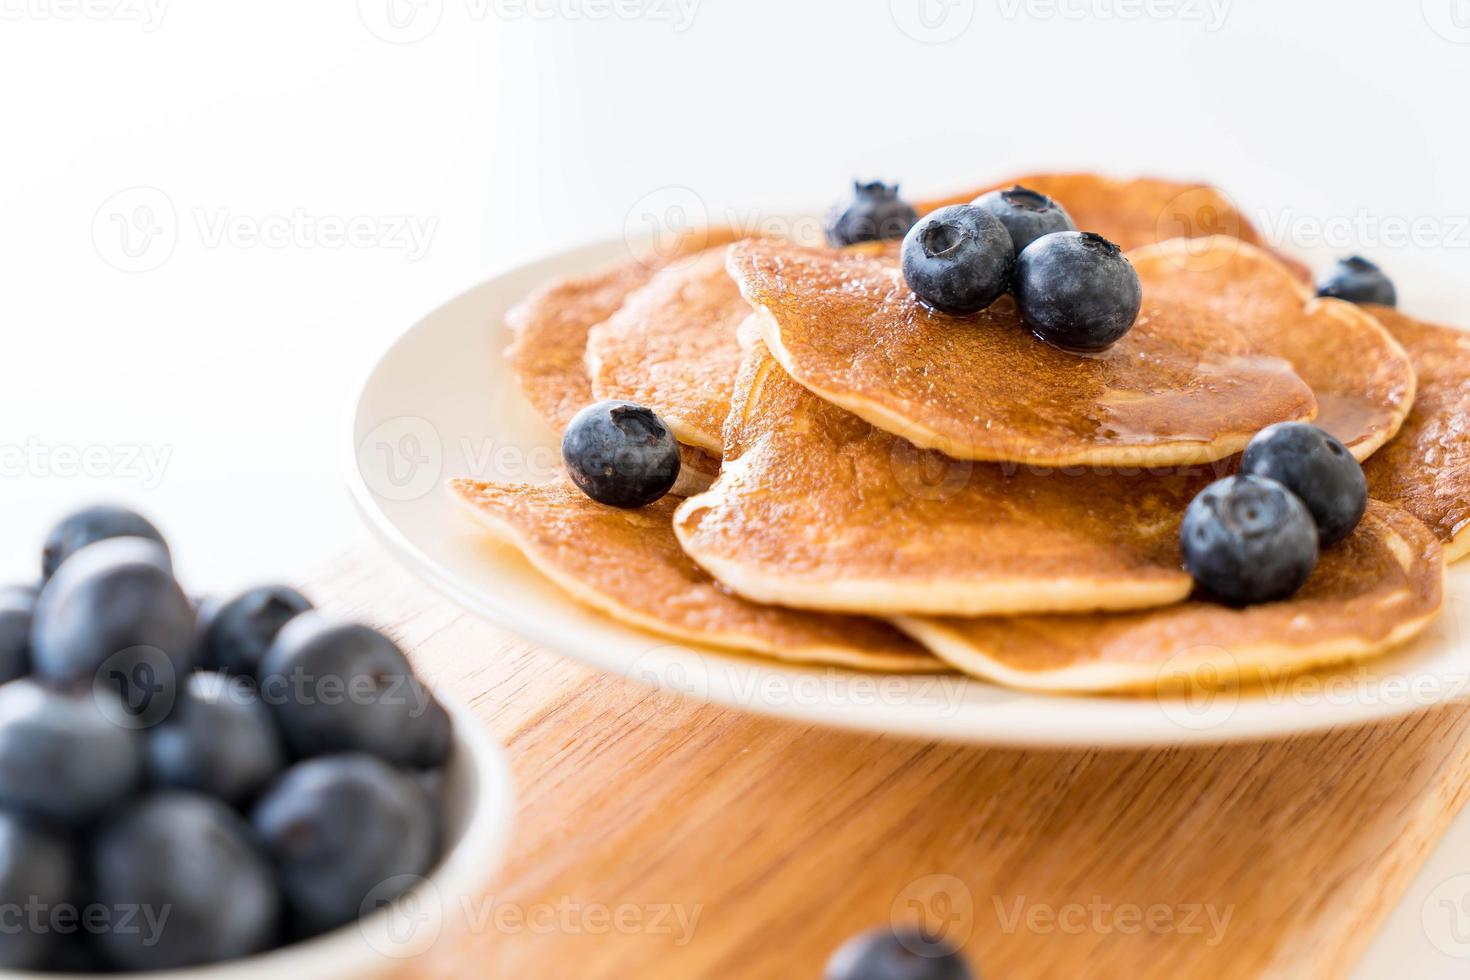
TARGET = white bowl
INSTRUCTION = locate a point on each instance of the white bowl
(479, 798)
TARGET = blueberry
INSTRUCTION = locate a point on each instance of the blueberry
(958, 259)
(89, 526)
(873, 212)
(1357, 280)
(1315, 466)
(114, 616)
(37, 871)
(61, 758)
(242, 630)
(220, 740)
(1026, 214)
(16, 605)
(896, 954)
(346, 832)
(345, 687)
(202, 889)
(1247, 539)
(1077, 290)
(620, 454)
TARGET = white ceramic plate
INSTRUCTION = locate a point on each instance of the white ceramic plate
(441, 403)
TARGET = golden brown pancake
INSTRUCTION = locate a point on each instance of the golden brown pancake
(1181, 387)
(673, 347)
(627, 564)
(550, 330)
(1425, 469)
(1369, 593)
(815, 508)
(1136, 212)
(1362, 378)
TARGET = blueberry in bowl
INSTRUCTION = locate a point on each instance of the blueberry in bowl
(958, 260)
(1077, 291)
(1248, 540)
(872, 212)
(1026, 214)
(90, 525)
(620, 454)
(285, 829)
(1314, 465)
(241, 630)
(1357, 280)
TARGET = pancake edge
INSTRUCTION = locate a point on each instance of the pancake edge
(943, 596)
(584, 594)
(687, 434)
(1245, 665)
(1336, 308)
(1183, 452)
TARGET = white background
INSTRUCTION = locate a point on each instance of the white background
(171, 171)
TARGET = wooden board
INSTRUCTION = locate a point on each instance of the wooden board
(659, 838)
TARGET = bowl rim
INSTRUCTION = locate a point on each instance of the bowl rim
(356, 949)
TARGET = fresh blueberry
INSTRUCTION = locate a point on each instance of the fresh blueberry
(203, 890)
(1315, 466)
(345, 687)
(873, 212)
(958, 259)
(61, 757)
(113, 615)
(620, 454)
(16, 605)
(1077, 290)
(242, 630)
(346, 832)
(1247, 539)
(220, 740)
(37, 871)
(896, 954)
(1357, 280)
(1026, 214)
(89, 526)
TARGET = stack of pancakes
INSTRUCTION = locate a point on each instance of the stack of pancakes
(870, 484)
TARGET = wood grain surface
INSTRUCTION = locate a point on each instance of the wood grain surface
(662, 838)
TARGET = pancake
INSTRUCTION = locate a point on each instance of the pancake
(1137, 212)
(1425, 469)
(1375, 590)
(550, 330)
(626, 563)
(815, 508)
(1361, 376)
(673, 347)
(1182, 387)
